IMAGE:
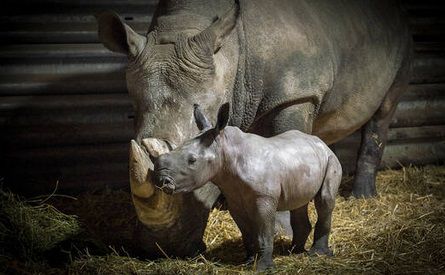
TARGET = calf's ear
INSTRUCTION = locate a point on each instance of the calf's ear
(118, 36)
(201, 120)
(223, 117)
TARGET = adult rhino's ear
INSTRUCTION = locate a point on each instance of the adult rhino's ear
(201, 120)
(220, 28)
(118, 36)
(223, 117)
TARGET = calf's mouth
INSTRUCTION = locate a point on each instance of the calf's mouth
(165, 183)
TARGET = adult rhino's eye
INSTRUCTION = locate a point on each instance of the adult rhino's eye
(192, 159)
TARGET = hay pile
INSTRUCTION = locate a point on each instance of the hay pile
(28, 231)
(107, 216)
(400, 231)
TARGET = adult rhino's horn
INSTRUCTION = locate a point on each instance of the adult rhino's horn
(155, 147)
(154, 208)
(140, 166)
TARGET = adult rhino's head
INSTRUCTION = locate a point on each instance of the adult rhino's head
(168, 71)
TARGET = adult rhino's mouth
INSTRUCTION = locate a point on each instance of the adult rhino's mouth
(155, 209)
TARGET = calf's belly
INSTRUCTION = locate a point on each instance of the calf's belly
(298, 194)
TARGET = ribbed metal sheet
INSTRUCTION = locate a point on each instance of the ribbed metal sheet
(65, 114)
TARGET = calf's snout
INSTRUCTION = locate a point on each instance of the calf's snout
(166, 184)
(163, 162)
(163, 180)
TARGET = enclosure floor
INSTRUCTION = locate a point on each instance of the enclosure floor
(400, 231)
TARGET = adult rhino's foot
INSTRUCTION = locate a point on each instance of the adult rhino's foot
(364, 186)
(191, 250)
(249, 260)
(318, 251)
(263, 265)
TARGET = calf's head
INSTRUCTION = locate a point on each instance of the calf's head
(197, 161)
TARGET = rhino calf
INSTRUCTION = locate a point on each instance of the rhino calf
(258, 176)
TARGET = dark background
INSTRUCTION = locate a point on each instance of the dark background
(65, 115)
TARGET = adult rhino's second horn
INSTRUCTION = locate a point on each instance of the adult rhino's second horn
(154, 208)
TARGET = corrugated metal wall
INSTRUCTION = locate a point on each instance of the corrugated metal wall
(65, 115)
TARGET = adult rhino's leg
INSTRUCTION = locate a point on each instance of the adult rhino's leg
(370, 154)
(374, 136)
(294, 117)
(289, 117)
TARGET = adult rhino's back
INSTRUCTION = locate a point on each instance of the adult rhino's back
(341, 55)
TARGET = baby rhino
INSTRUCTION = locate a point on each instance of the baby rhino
(258, 176)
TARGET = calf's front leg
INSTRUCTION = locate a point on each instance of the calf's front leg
(264, 224)
(239, 216)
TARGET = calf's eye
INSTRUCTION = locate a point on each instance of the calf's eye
(192, 159)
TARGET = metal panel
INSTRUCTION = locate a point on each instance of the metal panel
(65, 114)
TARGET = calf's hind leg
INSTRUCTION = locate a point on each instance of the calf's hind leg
(301, 227)
(324, 204)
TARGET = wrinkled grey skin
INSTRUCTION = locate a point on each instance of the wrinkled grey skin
(323, 67)
(259, 176)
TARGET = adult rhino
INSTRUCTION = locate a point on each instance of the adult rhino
(323, 67)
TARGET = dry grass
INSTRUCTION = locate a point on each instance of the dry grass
(400, 231)
(30, 229)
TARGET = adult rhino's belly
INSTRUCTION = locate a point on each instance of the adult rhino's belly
(352, 102)
(339, 124)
